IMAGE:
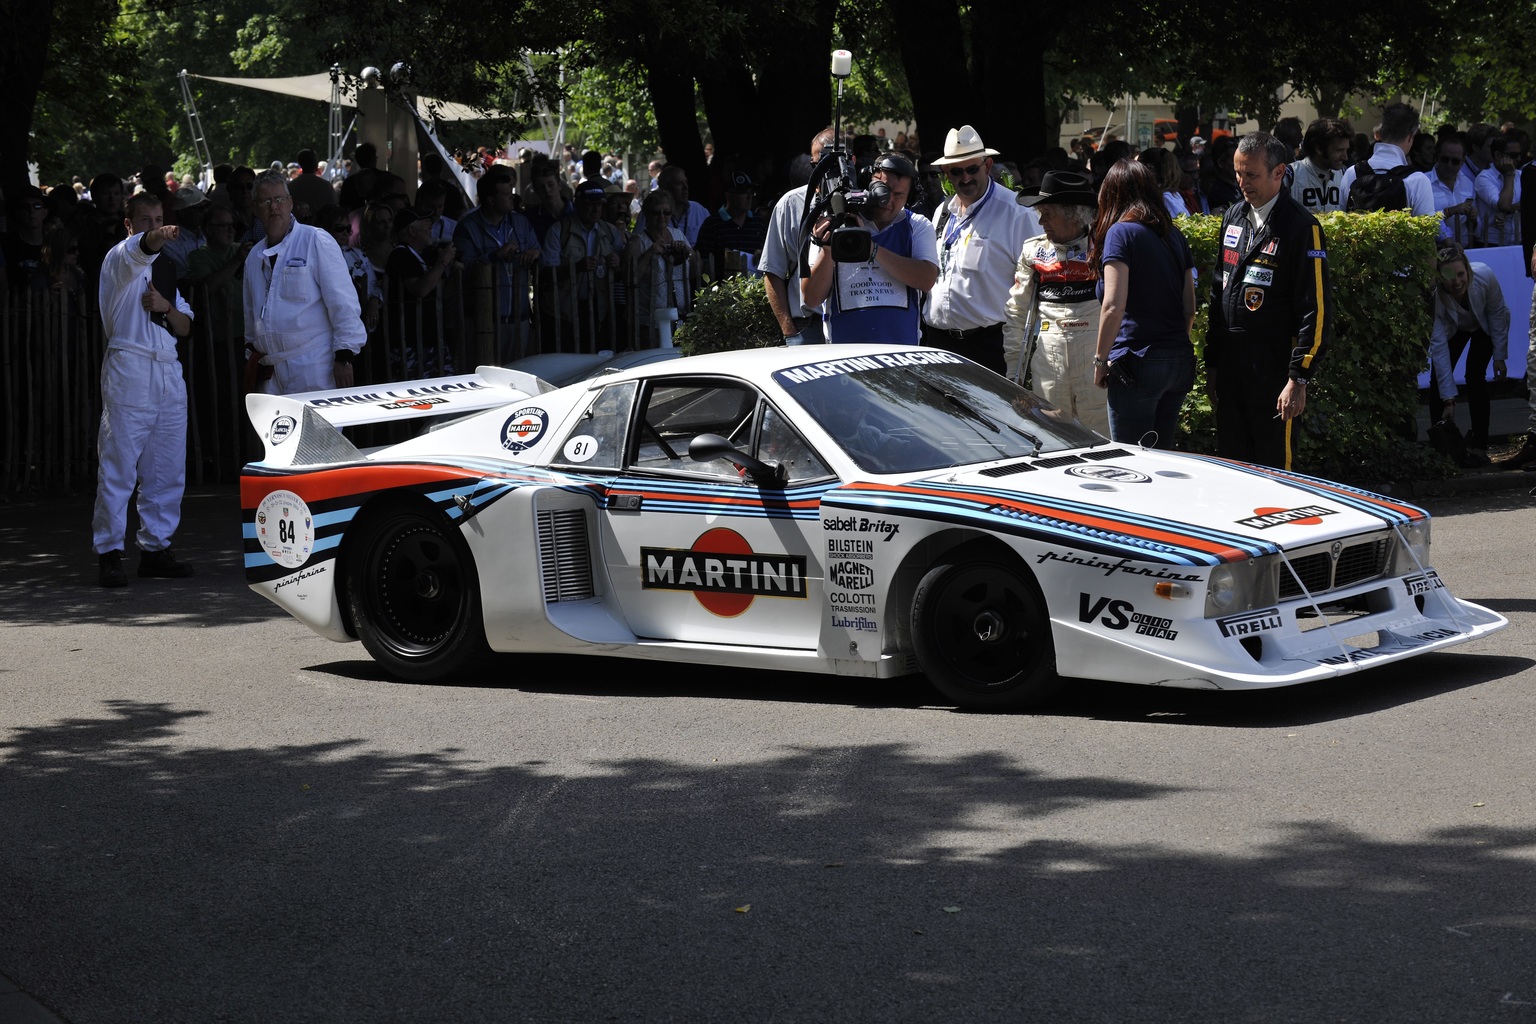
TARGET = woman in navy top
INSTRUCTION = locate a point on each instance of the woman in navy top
(1147, 294)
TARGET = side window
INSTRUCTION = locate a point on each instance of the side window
(597, 439)
(781, 443)
(673, 414)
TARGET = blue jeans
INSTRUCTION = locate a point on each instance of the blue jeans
(1150, 405)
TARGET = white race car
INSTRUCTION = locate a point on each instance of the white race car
(858, 510)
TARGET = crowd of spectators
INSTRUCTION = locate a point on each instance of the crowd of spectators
(571, 235)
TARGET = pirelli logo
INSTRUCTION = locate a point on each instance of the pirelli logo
(722, 572)
(1251, 622)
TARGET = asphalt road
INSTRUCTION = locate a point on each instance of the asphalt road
(208, 814)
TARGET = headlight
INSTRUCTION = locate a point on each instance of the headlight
(1415, 552)
(1241, 587)
(1221, 593)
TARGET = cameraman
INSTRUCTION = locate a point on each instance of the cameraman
(878, 300)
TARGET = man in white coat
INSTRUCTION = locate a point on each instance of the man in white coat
(302, 319)
(143, 437)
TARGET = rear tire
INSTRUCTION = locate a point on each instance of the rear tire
(414, 596)
(983, 637)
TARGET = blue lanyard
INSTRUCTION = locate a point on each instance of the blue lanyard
(952, 233)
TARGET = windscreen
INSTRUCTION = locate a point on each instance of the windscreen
(926, 410)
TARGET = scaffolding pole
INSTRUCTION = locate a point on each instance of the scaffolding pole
(195, 123)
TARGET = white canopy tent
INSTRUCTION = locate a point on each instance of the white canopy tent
(318, 87)
(323, 87)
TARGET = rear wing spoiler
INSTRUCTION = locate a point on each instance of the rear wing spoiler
(277, 418)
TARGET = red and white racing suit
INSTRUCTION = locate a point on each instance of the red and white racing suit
(1053, 294)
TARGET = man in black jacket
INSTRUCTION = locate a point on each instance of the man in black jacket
(1271, 310)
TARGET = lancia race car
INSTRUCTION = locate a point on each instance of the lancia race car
(859, 510)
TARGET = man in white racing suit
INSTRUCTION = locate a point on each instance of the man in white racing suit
(302, 317)
(143, 436)
(1053, 313)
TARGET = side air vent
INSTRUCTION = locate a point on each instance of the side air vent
(565, 555)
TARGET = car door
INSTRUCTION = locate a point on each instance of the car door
(700, 551)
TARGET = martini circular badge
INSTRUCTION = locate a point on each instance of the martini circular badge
(524, 428)
(285, 529)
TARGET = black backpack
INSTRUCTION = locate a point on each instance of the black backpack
(1378, 190)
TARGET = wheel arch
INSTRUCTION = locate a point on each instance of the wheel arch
(952, 545)
(382, 504)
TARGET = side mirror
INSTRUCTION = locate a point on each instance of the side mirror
(707, 447)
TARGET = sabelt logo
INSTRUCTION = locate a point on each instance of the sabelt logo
(860, 524)
(851, 575)
(723, 572)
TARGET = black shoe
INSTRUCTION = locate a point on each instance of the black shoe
(164, 565)
(109, 572)
(1522, 455)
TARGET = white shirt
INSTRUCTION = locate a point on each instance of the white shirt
(1387, 155)
(1458, 192)
(781, 249)
(977, 251)
(1317, 190)
(1494, 227)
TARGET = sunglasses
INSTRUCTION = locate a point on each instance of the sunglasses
(963, 172)
(1452, 161)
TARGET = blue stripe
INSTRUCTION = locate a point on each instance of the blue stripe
(260, 559)
(1356, 498)
(1025, 524)
(1216, 536)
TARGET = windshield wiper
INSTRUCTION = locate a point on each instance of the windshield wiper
(960, 403)
(981, 417)
(1031, 438)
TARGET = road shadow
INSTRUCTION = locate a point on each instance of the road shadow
(145, 878)
(1363, 693)
(50, 569)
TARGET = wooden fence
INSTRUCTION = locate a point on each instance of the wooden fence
(51, 348)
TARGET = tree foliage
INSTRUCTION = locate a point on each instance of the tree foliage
(97, 77)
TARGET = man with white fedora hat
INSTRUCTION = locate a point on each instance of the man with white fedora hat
(980, 232)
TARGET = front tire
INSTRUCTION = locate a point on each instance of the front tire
(414, 596)
(983, 637)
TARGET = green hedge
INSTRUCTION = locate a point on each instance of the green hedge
(1361, 404)
(728, 315)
